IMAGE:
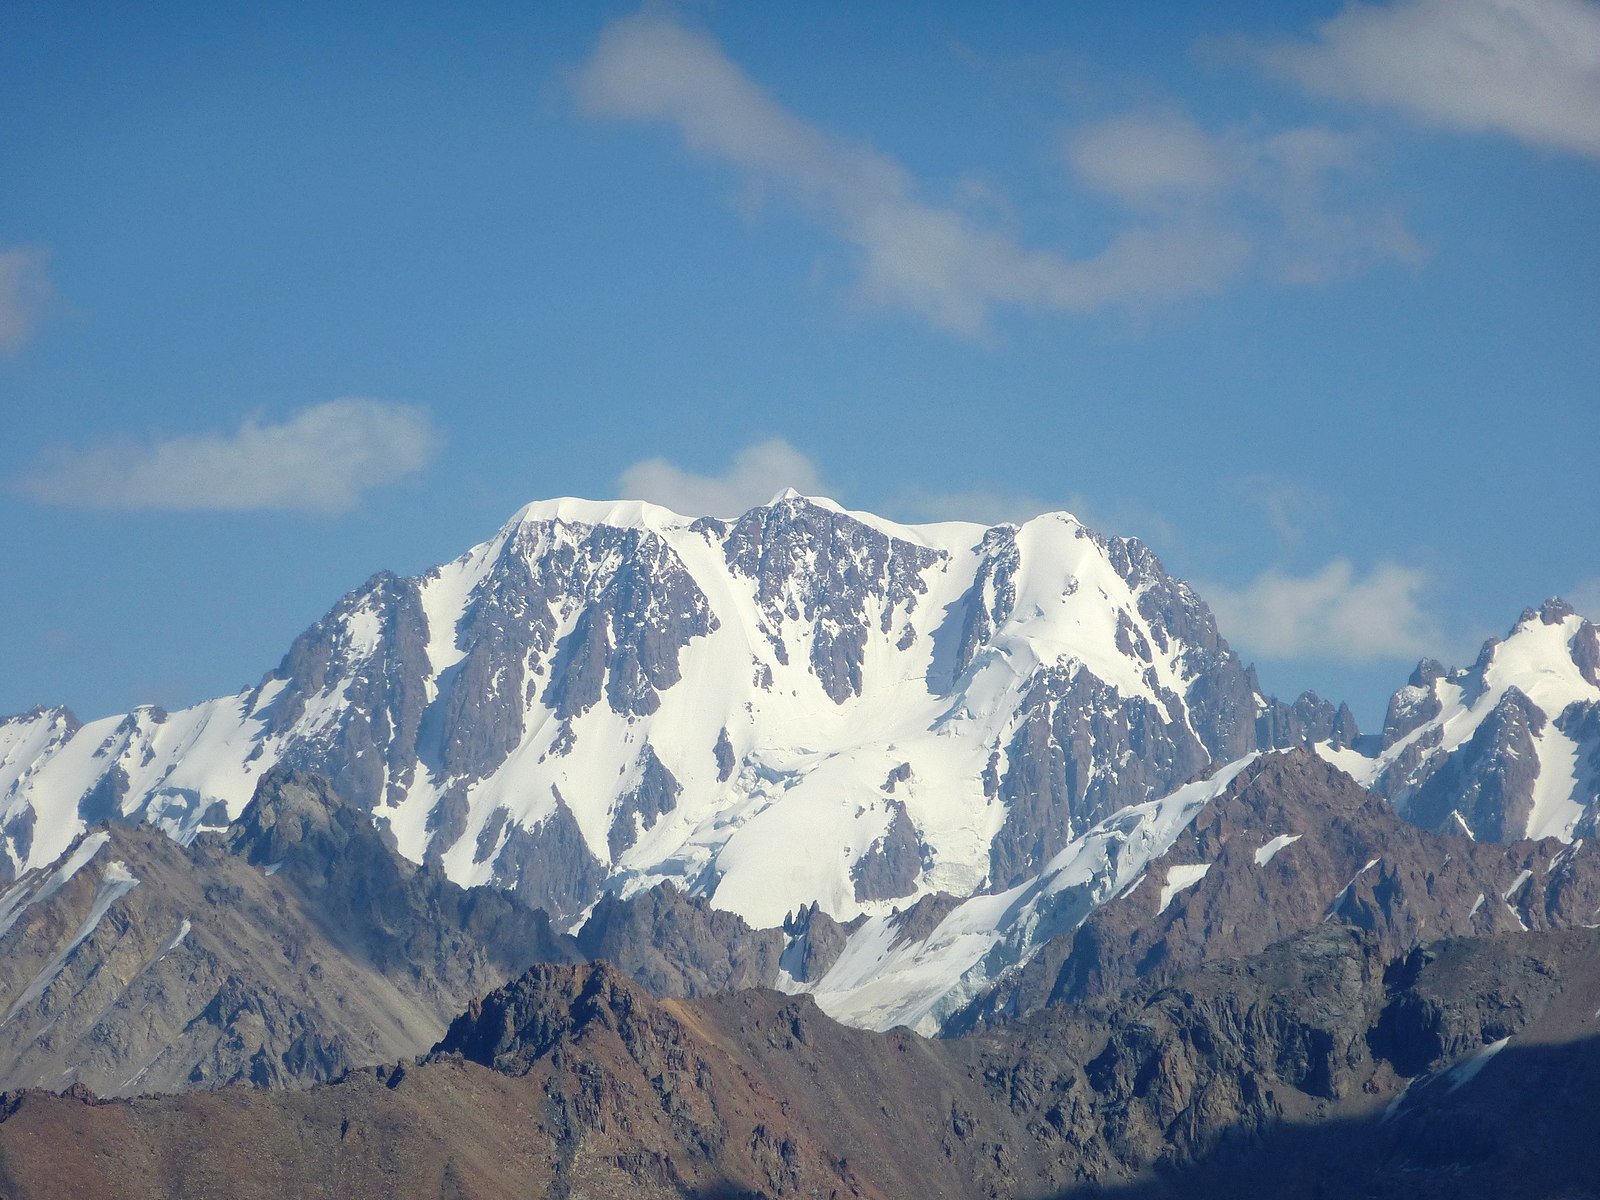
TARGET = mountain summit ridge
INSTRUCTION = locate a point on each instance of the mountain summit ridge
(605, 695)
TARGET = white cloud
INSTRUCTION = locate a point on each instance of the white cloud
(1527, 68)
(25, 294)
(1585, 597)
(1296, 196)
(322, 459)
(1333, 615)
(946, 263)
(756, 474)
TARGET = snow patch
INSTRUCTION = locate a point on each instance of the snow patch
(1180, 878)
(1344, 892)
(177, 939)
(880, 982)
(1464, 1073)
(1270, 851)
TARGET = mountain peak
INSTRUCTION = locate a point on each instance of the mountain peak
(620, 514)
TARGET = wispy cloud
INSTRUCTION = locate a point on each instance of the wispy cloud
(323, 459)
(25, 294)
(1332, 615)
(754, 476)
(1287, 506)
(1527, 68)
(984, 505)
(1585, 597)
(1298, 197)
(949, 264)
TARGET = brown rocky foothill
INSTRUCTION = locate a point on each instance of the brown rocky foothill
(575, 1081)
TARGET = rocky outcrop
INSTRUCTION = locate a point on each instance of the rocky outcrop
(656, 793)
(1310, 719)
(1487, 784)
(890, 866)
(679, 945)
(550, 865)
(1055, 785)
(370, 652)
(838, 577)
(815, 942)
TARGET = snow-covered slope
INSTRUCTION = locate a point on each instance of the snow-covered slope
(801, 704)
(1504, 749)
(888, 975)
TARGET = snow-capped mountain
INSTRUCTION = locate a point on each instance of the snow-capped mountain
(1506, 748)
(798, 705)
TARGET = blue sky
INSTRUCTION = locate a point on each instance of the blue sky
(1307, 295)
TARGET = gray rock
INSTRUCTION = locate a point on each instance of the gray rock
(285, 950)
(1079, 753)
(678, 945)
(550, 866)
(890, 867)
(656, 793)
(1489, 780)
(370, 751)
(815, 942)
(723, 751)
(811, 564)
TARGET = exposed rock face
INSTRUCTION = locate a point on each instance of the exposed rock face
(535, 713)
(989, 603)
(656, 793)
(1294, 843)
(678, 945)
(1308, 720)
(815, 942)
(371, 652)
(575, 1081)
(891, 864)
(723, 751)
(836, 575)
(1490, 779)
(1053, 787)
(287, 949)
(550, 865)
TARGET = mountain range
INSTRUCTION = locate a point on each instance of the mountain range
(799, 767)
